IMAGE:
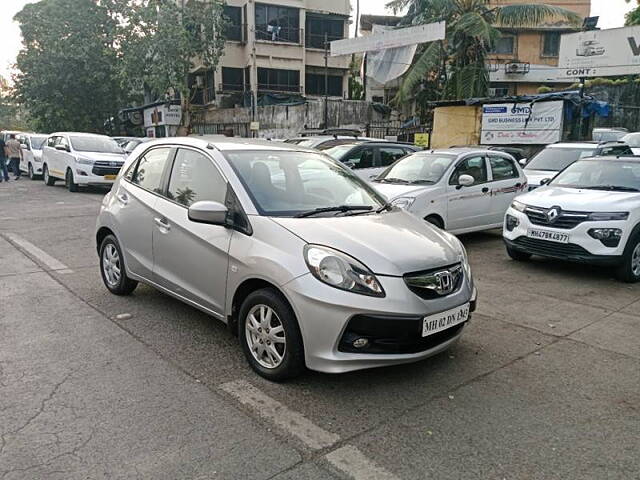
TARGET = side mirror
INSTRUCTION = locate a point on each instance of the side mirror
(349, 164)
(466, 180)
(213, 213)
(544, 181)
(523, 161)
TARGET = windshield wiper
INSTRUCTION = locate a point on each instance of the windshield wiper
(419, 182)
(337, 208)
(386, 206)
(392, 180)
(620, 188)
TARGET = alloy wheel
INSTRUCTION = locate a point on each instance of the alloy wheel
(635, 261)
(31, 175)
(265, 336)
(111, 265)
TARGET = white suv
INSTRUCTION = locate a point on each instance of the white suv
(589, 213)
(81, 159)
(31, 161)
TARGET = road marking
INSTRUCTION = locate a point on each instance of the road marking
(50, 262)
(292, 422)
(354, 463)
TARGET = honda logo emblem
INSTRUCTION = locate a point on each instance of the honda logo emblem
(445, 282)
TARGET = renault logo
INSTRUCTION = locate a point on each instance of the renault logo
(445, 282)
(552, 214)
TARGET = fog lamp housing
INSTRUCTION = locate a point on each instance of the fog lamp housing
(610, 237)
(511, 222)
(82, 173)
(360, 342)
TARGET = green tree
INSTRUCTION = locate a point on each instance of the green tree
(457, 64)
(11, 116)
(162, 41)
(632, 17)
(67, 69)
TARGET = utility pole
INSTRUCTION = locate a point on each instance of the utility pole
(326, 80)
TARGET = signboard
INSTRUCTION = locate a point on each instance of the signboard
(163, 115)
(505, 123)
(400, 37)
(254, 126)
(600, 53)
(421, 139)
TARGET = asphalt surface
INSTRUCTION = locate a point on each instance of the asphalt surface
(545, 383)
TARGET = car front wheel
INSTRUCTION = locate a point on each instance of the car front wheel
(69, 182)
(32, 175)
(629, 269)
(48, 179)
(112, 268)
(270, 337)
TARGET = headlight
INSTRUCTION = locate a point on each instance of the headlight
(403, 202)
(519, 206)
(84, 161)
(604, 216)
(341, 271)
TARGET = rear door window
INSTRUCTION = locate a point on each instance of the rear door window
(503, 168)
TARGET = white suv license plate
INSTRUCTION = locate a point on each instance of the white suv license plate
(443, 320)
(547, 235)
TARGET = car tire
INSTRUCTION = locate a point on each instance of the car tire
(48, 179)
(629, 269)
(71, 185)
(112, 268)
(435, 220)
(261, 314)
(518, 255)
(30, 172)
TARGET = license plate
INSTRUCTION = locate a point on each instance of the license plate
(110, 177)
(548, 235)
(443, 320)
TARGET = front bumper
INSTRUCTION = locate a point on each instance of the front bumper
(325, 315)
(581, 247)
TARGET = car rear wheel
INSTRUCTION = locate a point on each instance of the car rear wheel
(71, 185)
(518, 255)
(629, 269)
(48, 179)
(114, 274)
(270, 337)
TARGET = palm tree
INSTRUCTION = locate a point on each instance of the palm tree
(457, 64)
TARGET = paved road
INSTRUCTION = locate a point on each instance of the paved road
(545, 384)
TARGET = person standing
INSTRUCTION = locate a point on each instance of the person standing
(14, 152)
(4, 173)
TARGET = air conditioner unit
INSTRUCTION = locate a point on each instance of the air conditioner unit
(517, 68)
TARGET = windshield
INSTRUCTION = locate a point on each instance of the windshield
(418, 168)
(632, 139)
(339, 151)
(131, 145)
(286, 184)
(95, 144)
(556, 159)
(608, 135)
(37, 141)
(601, 175)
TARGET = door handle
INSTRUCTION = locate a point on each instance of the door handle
(485, 189)
(162, 223)
(122, 198)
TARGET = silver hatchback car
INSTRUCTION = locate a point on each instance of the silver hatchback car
(301, 258)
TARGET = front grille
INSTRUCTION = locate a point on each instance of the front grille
(392, 335)
(105, 168)
(564, 220)
(429, 284)
(550, 249)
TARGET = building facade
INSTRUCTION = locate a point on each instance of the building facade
(276, 47)
(525, 59)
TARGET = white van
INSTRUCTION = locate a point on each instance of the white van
(81, 159)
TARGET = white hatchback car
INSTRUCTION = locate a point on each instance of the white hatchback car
(31, 161)
(459, 189)
(81, 159)
(589, 213)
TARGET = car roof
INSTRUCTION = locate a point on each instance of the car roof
(585, 144)
(226, 144)
(612, 158)
(465, 150)
(80, 134)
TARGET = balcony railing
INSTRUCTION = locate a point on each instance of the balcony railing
(232, 87)
(316, 40)
(274, 88)
(272, 33)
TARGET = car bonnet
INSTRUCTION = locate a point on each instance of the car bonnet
(391, 191)
(581, 200)
(391, 243)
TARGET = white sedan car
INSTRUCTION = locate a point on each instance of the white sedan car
(459, 189)
(31, 162)
(589, 213)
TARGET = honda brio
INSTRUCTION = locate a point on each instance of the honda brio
(302, 259)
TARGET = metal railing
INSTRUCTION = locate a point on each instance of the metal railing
(277, 88)
(272, 33)
(233, 87)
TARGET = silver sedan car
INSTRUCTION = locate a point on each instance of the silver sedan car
(301, 258)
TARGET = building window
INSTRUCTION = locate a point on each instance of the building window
(274, 80)
(316, 28)
(278, 24)
(505, 45)
(233, 29)
(314, 84)
(551, 44)
(232, 79)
